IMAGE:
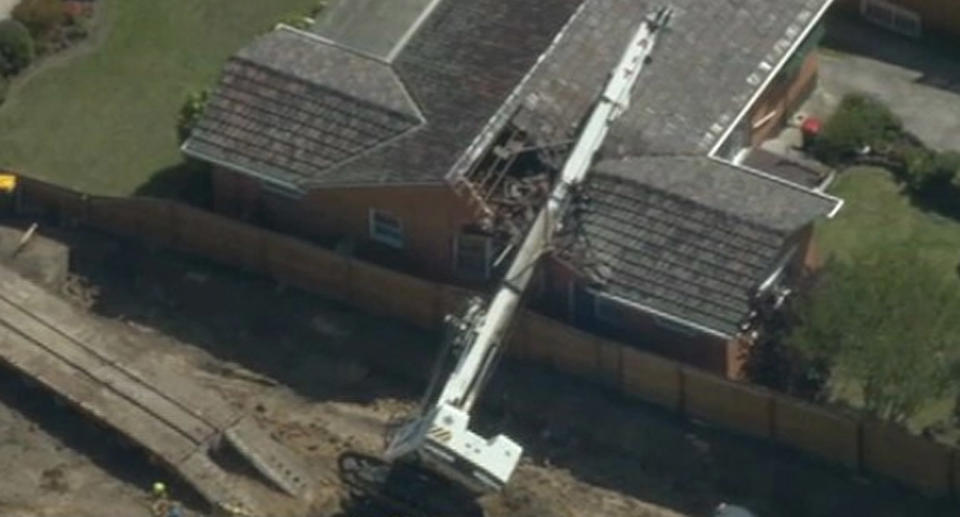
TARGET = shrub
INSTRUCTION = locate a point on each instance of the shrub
(318, 8)
(16, 47)
(859, 121)
(297, 21)
(949, 165)
(4, 88)
(926, 170)
(190, 113)
(40, 16)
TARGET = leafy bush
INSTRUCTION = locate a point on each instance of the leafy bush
(16, 47)
(4, 87)
(925, 170)
(40, 16)
(318, 8)
(870, 320)
(297, 21)
(859, 121)
(190, 113)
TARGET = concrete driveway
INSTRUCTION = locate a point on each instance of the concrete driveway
(6, 6)
(919, 83)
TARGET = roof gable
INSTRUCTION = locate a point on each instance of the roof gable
(278, 112)
(689, 237)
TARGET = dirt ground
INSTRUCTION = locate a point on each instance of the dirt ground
(325, 379)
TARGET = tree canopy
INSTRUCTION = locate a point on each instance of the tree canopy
(869, 319)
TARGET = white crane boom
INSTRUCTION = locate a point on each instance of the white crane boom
(440, 438)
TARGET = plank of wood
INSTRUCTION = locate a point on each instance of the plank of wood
(215, 485)
(273, 460)
(126, 350)
(87, 362)
(92, 396)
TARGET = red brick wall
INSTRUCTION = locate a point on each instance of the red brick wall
(640, 329)
(431, 216)
(772, 110)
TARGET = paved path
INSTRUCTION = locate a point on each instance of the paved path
(919, 84)
(6, 6)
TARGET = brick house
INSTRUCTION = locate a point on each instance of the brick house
(914, 18)
(425, 133)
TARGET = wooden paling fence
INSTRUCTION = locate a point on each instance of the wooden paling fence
(858, 443)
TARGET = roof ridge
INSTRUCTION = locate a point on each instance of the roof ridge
(740, 167)
(316, 38)
(838, 202)
(366, 55)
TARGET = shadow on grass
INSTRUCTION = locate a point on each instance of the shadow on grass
(188, 181)
(943, 201)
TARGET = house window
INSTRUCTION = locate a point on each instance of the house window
(892, 17)
(472, 255)
(386, 228)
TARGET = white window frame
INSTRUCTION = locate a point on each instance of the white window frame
(891, 14)
(393, 239)
(487, 256)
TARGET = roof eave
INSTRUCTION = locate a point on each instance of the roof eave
(836, 202)
(200, 155)
(808, 28)
(667, 316)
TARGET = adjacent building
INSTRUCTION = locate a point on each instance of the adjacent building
(914, 18)
(425, 134)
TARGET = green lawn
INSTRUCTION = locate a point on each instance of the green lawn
(103, 121)
(879, 220)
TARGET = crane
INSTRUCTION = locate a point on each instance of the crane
(439, 438)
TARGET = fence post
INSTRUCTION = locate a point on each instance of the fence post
(173, 224)
(348, 291)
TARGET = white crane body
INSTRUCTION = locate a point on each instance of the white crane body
(440, 438)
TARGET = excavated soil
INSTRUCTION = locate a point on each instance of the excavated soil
(326, 379)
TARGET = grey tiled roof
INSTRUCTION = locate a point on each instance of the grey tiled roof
(458, 69)
(725, 188)
(669, 228)
(374, 26)
(461, 66)
(707, 65)
(278, 112)
(649, 231)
